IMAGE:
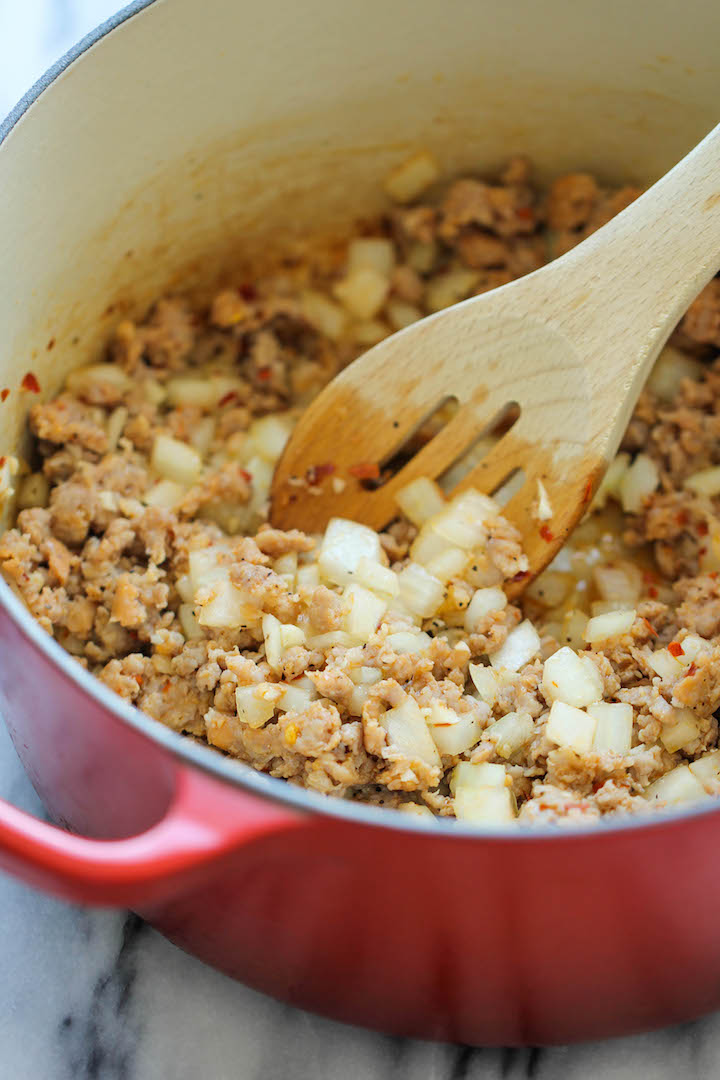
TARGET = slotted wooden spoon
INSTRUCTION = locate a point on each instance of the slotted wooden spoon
(571, 344)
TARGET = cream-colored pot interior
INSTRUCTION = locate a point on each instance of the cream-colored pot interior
(201, 131)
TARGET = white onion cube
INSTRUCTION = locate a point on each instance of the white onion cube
(677, 786)
(612, 624)
(420, 500)
(484, 602)
(613, 726)
(571, 727)
(343, 545)
(453, 733)
(571, 678)
(511, 732)
(491, 807)
(175, 460)
(518, 649)
(363, 611)
(408, 731)
(420, 592)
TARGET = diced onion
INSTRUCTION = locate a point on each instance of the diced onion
(82, 380)
(671, 367)
(571, 727)
(420, 500)
(486, 682)
(449, 564)
(706, 768)
(252, 708)
(191, 628)
(268, 435)
(420, 592)
(308, 576)
(451, 287)
(362, 292)
(453, 733)
(705, 482)
(323, 313)
(613, 726)
(467, 774)
(683, 728)
(416, 810)
(207, 566)
(363, 611)
(411, 177)
(519, 647)
(612, 624)
(511, 732)
(637, 483)
(408, 731)
(166, 494)
(204, 391)
(373, 253)
(463, 521)
(571, 679)
(376, 577)
(175, 460)
(664, 664)
(227, 609)
(486, 806)
(34, 490)
(401, 314)
(483, 603)
(677, 786)
(406, 642)
(295, 698)
(343, 545)
(609, 486)
(543, 507)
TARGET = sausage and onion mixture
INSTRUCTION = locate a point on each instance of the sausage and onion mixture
(389, 667)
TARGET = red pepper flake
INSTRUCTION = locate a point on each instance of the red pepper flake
(366, 470)
(713, 575)
(546, 534)
(525, 212)
(29, 382)
(702, 551)
(247, 291)
(703, 528)
(50, 345)
(167, 687)
(232, 395)
(676, 649)
(264, 373)
(651, 628)
(652, 592)
(682, 518)
(138, 679)
(4, 394)
(587, 490)
(521, 575)
(318, 472)
(247, 477)
(2, 461)
(691, 670)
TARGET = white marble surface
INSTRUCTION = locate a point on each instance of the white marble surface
(96, 995)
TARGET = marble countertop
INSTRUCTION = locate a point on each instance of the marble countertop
(97, 995)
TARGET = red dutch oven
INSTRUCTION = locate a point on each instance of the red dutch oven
(177, 140)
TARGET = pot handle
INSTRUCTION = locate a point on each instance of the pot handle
(204, 821)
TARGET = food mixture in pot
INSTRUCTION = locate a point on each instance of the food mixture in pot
(388, 668)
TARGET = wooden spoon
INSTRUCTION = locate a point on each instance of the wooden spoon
(570, 344)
